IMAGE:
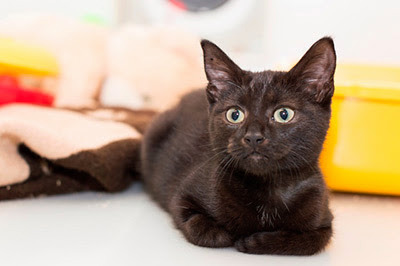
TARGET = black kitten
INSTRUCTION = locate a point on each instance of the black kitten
(237, 163)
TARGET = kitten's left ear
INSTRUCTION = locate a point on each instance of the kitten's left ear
(220, 70)
(316, 69)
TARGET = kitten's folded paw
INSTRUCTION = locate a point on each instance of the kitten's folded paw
(240, 245)
(285, 242)
(248, 244)
(203, 232)
(258, 243)
(216, 238)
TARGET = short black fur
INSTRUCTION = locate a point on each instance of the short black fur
(255, 185)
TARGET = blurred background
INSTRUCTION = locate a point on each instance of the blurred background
(271, 32)
(146, 54)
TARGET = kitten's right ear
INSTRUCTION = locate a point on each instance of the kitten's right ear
(220, 70)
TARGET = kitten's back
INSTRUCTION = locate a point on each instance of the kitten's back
(170, 144)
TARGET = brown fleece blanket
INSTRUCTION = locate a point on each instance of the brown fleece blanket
(46, 151)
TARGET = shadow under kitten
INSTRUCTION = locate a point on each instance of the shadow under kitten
(236, 164)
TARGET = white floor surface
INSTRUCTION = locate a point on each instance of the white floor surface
(130, 229)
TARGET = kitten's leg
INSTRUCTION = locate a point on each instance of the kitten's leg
(199, 228)
(285, 242)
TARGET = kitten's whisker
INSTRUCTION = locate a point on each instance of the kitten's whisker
(298, 156)
(226, 160)
(207, 161)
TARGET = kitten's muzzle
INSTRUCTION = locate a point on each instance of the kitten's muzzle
(253, 139)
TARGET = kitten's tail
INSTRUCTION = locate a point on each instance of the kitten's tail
(286, 243)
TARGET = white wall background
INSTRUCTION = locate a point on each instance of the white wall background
(365, 31)
(72, 8)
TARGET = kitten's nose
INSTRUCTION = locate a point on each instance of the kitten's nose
(253, 139)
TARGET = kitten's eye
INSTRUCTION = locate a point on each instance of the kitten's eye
(234, 115)
(283, 115)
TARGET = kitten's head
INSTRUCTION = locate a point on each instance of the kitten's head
(268, 121)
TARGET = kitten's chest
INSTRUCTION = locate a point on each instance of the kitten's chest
(249, 215)
(268, 215)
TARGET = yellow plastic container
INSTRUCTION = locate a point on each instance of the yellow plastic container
(362, 149)
(17, 58)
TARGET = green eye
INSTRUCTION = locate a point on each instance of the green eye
(234, 115)
(283, 115)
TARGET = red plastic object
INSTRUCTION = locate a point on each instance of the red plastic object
(11, 92)
(178, 4)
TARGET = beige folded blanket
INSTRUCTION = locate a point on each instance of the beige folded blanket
(51, 151)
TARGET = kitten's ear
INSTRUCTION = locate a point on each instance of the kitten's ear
(316, 69)
(220, 70)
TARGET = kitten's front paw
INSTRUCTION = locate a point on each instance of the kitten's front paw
(285, 242)
(246, 244)
(200, 231)
(257, 243)
(214, 237)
